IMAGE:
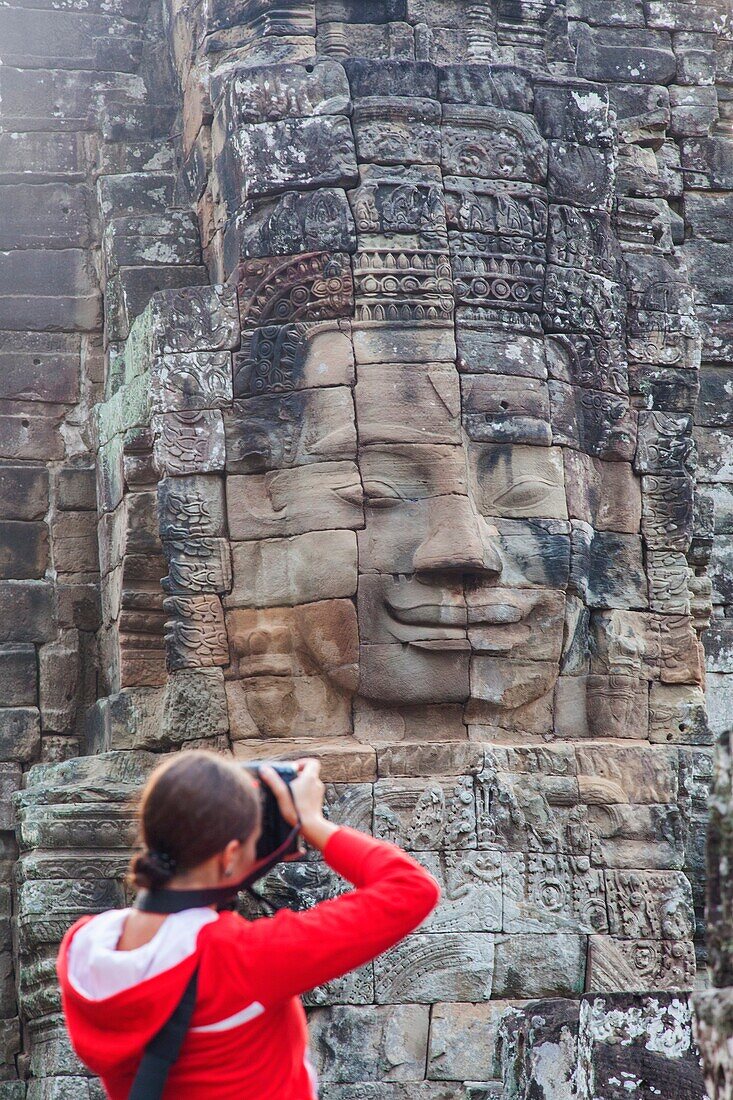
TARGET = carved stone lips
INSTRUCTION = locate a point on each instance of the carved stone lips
(455, 616)
(442, 627)
(431, 626)
(266, 664)
(496, 629)
(430, 614)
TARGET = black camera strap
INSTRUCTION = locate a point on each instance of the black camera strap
(163, 1049)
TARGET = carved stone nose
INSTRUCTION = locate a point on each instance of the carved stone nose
(458, 541)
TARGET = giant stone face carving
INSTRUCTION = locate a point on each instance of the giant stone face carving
(439, 532)
(458, 522)
(433, 558)
(468, 422)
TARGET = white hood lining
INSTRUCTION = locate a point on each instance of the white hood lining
(98, 970)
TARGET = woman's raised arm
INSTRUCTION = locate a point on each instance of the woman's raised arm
(294, 952)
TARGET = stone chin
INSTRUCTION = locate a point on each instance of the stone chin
(420, 674)
(500, 684)
(494, 648)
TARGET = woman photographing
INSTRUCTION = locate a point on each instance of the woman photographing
(124, 972)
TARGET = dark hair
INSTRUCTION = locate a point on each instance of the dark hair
(191, 807)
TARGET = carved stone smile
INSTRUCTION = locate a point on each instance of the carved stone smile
(442, 644)
(431, 625)
(491, 629)
(429, 614)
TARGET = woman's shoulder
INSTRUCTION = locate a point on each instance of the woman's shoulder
(105, 926)
(232, 930)
(226, 926)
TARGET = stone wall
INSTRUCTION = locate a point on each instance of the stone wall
(409, 312)
(71, 81)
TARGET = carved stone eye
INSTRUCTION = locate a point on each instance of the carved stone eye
(380, 494)
(525, 492)
(352, 494)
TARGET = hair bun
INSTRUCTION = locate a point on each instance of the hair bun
(152, 870)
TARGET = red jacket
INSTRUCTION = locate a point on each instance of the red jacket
(253, 1042)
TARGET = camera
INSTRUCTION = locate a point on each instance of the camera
(275, 829)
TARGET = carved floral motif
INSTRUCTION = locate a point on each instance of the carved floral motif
(309, 287)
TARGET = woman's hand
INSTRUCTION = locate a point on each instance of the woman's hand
(305, 794)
